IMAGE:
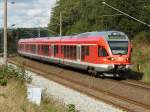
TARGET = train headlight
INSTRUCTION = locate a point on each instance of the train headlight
(111, 59)
(127, 59)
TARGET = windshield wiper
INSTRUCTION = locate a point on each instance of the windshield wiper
(120, 53)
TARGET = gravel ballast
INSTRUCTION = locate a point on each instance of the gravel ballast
(82, 102)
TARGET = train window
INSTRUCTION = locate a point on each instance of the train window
(87, 50)
(65, 51)
(75, 52)
(30, 48)
(102, 52)
(19, 46)
(39, 49)
(45, 49)
(62, 49)
(27, 47)
(118, 47)
(69, 51)
(55, 49)
(50, 50)
(84, 51)
(22, 47)
(33, 48)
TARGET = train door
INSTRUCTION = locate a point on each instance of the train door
(52, 50)
(36, 47)
(102, 54)
(62, 52)
(78, 52)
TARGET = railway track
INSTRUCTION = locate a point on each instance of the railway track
(137, 84)
(132, 83)
(120, 101)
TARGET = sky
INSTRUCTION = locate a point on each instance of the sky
(27, 13)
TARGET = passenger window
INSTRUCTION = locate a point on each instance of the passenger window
(33, 48)
(102, 52)
(55, 49)
(45, 49)
(84, 51)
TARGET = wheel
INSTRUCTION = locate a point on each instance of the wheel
(89, 69)
(101, 75)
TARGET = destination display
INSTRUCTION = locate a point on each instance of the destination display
(116, 36)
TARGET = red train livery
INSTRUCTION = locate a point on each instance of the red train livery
(99, 52)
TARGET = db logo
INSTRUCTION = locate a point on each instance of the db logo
(120, 59)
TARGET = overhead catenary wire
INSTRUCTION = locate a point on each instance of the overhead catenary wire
(140, 21)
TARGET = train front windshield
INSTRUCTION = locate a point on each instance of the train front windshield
(118, 47)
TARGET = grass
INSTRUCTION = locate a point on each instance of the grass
(141, 55)
(13, 96)
(13, 99)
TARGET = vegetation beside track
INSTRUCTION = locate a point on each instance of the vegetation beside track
(13, 93)
(141, 55)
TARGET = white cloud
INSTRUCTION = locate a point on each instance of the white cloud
(1, 14)
(33, 12)
(26, 13)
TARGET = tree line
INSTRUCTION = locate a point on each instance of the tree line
(91, 15)
(14, 35)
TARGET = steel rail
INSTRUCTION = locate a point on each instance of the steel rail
(137, 84)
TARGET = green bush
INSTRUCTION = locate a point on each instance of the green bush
(3, 82)
(3, 78)
(140, 55)
(10, 71)
(19, 73)
(71, 108)
(1, 75)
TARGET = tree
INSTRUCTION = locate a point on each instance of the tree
(91, 15)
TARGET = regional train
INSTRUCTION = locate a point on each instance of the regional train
(101, 53)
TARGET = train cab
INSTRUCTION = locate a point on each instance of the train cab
(115, 50)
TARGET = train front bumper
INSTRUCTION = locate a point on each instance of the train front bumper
(129, 66)
(110, 67)
(104, 67)
(122, 66)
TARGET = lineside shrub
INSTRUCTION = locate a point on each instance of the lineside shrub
(3, 78)
(17, 72)
(140, 55)
(71, 108)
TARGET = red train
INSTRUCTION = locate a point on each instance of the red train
(103, 53)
